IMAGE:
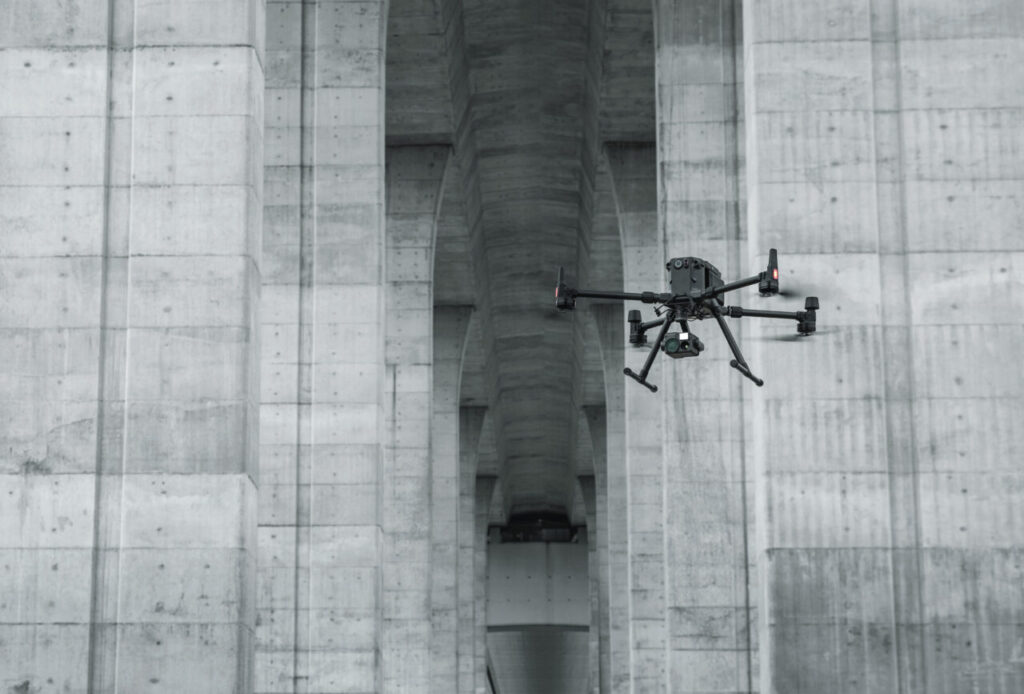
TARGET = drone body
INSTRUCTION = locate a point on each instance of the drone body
(697, 292)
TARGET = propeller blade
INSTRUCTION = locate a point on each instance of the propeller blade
(796, 337)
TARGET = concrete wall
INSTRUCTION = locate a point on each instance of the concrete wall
(131, 137)
(884, 148)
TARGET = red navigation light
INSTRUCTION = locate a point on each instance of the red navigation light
(775, 273)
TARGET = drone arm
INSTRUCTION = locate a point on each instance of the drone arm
(739, 363)
(740, 312)
(732, 286)
(767, 281)
(646, 297)
(806, 320)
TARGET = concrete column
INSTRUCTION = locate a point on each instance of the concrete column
(633, 177)
(609, 426)
(471, 421)
(415, 179)
(949, 130)
(588, 491)
(323, 418)
(451, 325)
(597, 537)
(879, 148)
(175, 553)
(130, 213)
(706, 515)
(818, 441)
(55, 190)
(486, 487)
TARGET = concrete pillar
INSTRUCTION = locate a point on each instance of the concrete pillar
(823, 498)
(949, 128)
(471, 421)
(54, 125)
(415, 179)
(702, 401)
(609, 426)
(597, 537)
(130, 213)
(588, 492)
(880, 149)
(323, 417)
(633, 176)
(451, 325)
(486, 486)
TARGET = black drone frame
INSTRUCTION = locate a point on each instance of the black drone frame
(705, 299)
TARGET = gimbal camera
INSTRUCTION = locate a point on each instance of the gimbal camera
(696, 293)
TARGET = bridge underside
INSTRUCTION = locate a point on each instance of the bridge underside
(287, 405)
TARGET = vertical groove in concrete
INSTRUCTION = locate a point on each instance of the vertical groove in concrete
(736, 228)
(305, 347)
(897, 351)
(109, 470)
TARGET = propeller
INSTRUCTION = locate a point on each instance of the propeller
(793, 290)
(769, 284)
(795, 337)
(565, 300)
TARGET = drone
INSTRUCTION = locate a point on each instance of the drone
(697, 292)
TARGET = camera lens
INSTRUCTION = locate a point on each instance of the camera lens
(672, 344)
(678, 263)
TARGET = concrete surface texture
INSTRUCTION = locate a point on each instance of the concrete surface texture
(287, 407)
